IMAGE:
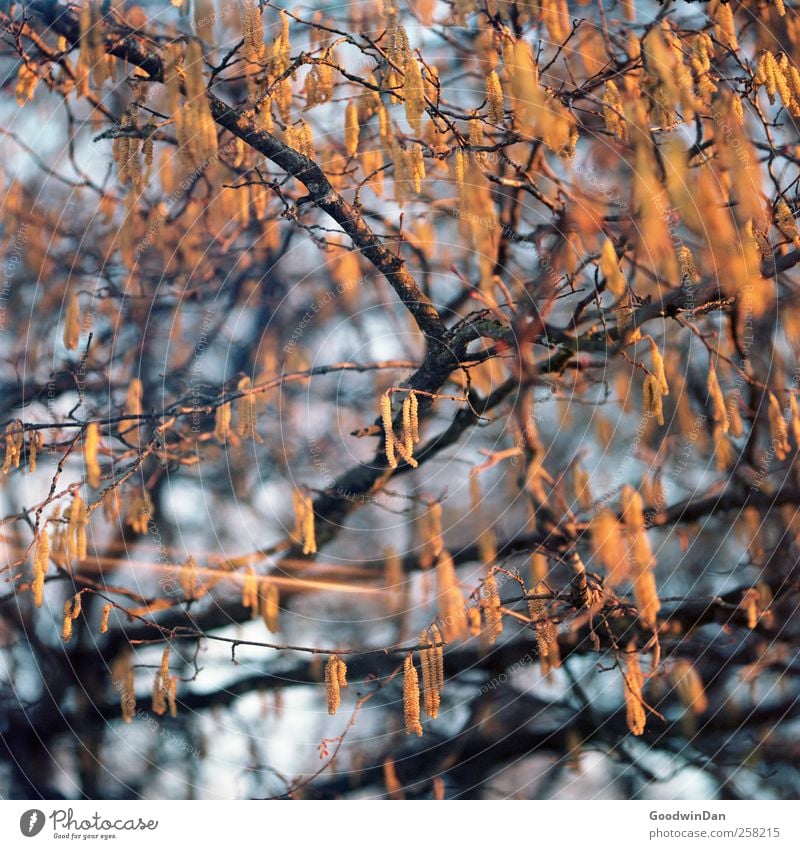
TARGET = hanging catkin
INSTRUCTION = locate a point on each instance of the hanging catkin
(41, 560)
(718, 410)
(352, 128)
(494, 98)
(492, 609)
(270, 605)
(388, 430)
(777, 428)
(452, 609)
(689, 687)
(246, 410)
(544, 629)
(187, 577)
(14, 443)
(609, 268)
(91, 441)
(104, 618)
(414, 94)
(640, 555)
(78, 520)
(222, 422)
(252, 32)
(250, 591)
(307, 525)
(335, 680)
(633, 681)
(432, 663)
(34, 444)
(411, 697)
(72, 323)
(72, 610)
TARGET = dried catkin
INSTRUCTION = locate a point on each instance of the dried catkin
(72, 323)
(494, 98)
(352, 129)
(246, 410)
(335, 678)
(127, 699)
(633, 681)
(41, 560)
(91, 442)
(172, 691)
(104, 618)
(411, 697)
(270, 606)
(492, 609)
(388, 430)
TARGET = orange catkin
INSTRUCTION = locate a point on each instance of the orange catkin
(411, 697)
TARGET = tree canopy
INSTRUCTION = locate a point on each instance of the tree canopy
(399, 399)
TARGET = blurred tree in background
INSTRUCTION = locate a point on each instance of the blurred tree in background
(447, 350)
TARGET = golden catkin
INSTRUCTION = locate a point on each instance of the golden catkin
(187, 578)
(718, 409)
(133, 399)
(333, 677)
(72, 323)
(651, 397)
(352, 129)
(688, 270)
(689, 687)
(246, 410)
(609, 268)
(452, 609)
(72, 610)
(459, 167)
(474, 621)
(640, 555)
(429, 661)
(492, 609)
(414, 94)
(270, 605)
(41, 560)
(172, 692)
(394, 789)
(13, 446)
(104, 618)
(494, 98)
(613, 111)
(34, 444)
(777, 428)
(544, 629)
(784, 219)
(78, 520)
(308, 532)
(388, 429)
(123, 677)
(91, 442)
(250, 591)
(411, 697)
(633, 682)
(252, 32)
(222, 422)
